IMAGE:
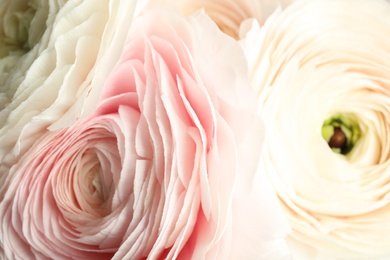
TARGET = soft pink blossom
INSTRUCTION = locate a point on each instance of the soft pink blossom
(164, 167)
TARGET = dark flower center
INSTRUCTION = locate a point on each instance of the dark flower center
(338, 139)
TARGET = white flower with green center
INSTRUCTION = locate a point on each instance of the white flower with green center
(321, 69)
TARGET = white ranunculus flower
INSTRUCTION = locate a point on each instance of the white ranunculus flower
(322, 72)
(72, 59)
(229, 14)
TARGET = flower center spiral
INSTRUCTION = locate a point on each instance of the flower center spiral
(341, 132)
(15, 27)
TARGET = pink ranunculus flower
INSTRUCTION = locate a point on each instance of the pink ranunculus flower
(165, 167)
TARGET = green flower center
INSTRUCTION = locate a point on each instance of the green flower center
(15, 26)
(341, 132)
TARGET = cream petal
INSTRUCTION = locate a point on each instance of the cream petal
(228, 15)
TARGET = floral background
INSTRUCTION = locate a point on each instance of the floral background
(194, 129)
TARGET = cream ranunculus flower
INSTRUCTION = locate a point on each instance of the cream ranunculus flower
(76, 52)
(322, 72)
(228, 14)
